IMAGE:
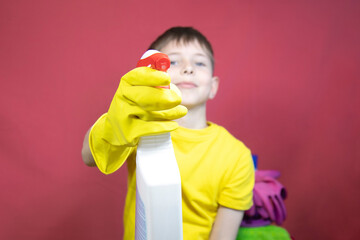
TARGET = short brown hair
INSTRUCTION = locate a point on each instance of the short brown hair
(185, 35)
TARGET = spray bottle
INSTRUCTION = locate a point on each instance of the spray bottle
(158, 184)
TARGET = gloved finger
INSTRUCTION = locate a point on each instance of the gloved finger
(262, 212)
(259, 205)
(270, 208)
(169, 114)
(265, 195)
(145, 76)
(281, 211)
(276, 210)
(278, 194)
(151, 98)
(257, 199)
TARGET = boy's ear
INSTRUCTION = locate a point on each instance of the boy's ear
(214, 86)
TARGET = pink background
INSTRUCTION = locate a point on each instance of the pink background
(289, 89)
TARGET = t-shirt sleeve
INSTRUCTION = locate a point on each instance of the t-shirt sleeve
(238, 182)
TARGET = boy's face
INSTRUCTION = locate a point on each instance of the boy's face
(191, 71)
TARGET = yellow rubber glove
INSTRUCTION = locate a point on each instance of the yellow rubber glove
(137, 109)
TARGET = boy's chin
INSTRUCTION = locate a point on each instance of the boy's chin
(192, 104)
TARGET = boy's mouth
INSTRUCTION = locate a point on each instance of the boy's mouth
(187, 85)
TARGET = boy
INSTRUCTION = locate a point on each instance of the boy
(217, 172)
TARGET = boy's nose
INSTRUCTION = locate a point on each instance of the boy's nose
(188, 69)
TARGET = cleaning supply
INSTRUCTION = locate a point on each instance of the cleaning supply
(137, 109)
(158, 184)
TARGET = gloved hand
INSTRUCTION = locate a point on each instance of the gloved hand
(272, 193)
(137, 109)
(268, 200)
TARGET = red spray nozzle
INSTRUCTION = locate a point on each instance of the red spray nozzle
(155, 60)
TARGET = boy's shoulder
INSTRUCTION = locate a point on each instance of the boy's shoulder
(229, 139)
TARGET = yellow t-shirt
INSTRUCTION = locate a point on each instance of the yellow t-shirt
(215, 169)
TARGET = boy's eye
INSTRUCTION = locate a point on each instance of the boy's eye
(173, 63)
(200, 64)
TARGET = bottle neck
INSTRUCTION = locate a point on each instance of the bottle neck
(155, 141)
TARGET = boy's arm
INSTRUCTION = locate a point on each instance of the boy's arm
(227, 224)
(86, 153)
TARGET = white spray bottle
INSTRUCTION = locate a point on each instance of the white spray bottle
(158, 184)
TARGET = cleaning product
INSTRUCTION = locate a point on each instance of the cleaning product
(158, 184)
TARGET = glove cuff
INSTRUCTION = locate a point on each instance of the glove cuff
(108, 157)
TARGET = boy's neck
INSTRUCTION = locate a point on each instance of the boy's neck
(195, 118)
